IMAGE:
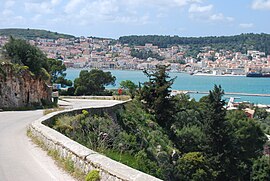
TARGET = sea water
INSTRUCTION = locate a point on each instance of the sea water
(185, 81)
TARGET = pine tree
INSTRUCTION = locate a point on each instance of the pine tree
(155, 94)
(219, 147)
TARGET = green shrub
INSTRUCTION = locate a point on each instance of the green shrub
(85, 113)
(69, 165)
(92, 176)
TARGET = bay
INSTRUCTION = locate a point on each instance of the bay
(185, 81)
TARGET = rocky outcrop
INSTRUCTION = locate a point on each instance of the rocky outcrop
(19, 88)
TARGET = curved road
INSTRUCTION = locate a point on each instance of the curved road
(20, 159)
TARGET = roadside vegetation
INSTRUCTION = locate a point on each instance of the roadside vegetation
(175, 138)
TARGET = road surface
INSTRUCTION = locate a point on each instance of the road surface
(20, 159)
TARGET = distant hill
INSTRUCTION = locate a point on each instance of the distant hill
(240, 43)
(31, 34)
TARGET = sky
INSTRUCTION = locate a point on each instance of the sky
(115, 18)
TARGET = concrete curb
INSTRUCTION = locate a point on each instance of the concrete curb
(84, 158)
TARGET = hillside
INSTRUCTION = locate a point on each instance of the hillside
(172, 137)
(32, 34)
(239, 43)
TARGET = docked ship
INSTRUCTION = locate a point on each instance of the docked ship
(258, 74)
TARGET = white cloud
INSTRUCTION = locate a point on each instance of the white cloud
(134, 20)
(9, 4)
(195, 8)
(105, 7)
(161, 15)
(216, 17)
(56, 2)
(7, 12)
(37, 17)
(99, 10)
(181, 2)
(114, 11)
(246, 25)
(12, 21)
(72, 5)
(220, 17)
(205, 13)
(185, 2)
(44, 7)
(158, 3)
(37, 7)
(261, 4)
(111, 11)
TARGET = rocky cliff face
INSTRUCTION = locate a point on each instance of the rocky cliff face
(18, 88)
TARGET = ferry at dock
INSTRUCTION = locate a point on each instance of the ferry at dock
(258, 74)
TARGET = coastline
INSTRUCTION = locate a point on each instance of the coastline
(216, 75)
(140, 70)
(200, 82)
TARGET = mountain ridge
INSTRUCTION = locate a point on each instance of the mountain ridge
(31, 34)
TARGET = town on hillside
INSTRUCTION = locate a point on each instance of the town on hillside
(100, 53)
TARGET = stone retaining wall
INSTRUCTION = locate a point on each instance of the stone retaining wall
(84, 158)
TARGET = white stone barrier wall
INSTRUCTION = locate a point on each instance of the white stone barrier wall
(84, 158)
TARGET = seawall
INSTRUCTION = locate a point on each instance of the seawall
(85, 159)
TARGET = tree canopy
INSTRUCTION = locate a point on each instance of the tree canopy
(130, 86)
(30, 34)
(239, 43)
(57, 70)
(145, 54)
(93, 82)
(156, 94)
(22, 53)
(261, 169)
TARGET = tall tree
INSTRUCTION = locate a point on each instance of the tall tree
(130, 86)
(21, 52)
(218, 135)
(56, 69)
(155, 94)
(93, 82)
(248, 139)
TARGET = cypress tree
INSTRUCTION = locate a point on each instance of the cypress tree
(155, 94)
(219, 147)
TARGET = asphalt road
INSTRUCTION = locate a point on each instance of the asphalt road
(20, 159)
